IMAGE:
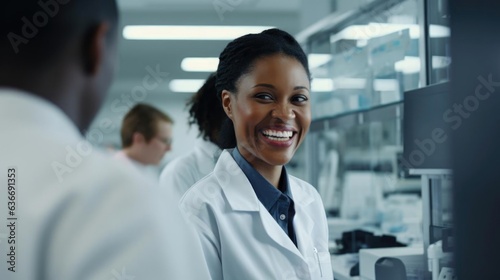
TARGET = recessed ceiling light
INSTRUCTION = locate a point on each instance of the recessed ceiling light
(318, 59)
(373, 30)
(186, 85)
(408, 65)
(322, 85)
(188, 32)
(200, 64)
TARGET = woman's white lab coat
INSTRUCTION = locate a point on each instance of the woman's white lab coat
(240, 238)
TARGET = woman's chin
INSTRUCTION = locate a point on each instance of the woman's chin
(278, 159)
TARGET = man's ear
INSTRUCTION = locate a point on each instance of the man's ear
(226, 97)
(95, 48)
(138, 138)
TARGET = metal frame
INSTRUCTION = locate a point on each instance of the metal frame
(424, 44)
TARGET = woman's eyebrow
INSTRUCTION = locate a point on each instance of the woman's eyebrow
(273, 87)
(301, 87)
(265, 85)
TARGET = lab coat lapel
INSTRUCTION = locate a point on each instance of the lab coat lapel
(235, 185)
(303, 223)
(242, 197)
(276, 233)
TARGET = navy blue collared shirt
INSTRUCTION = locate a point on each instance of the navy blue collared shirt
(277, 201)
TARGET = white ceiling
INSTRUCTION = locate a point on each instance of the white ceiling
(135, 56)
(270, 5)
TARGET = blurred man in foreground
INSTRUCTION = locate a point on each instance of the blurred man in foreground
(70, 211)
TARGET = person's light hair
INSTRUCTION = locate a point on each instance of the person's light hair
(142, 118)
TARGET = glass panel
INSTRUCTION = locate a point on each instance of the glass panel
(370, 62)
(359, 177)
(441, 203)
(439, 41)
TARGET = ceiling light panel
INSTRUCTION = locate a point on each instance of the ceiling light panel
(186, 85)
(200, 64)
(188, 32)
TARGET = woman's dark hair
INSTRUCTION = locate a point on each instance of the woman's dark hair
(205, 110)
(238, 59)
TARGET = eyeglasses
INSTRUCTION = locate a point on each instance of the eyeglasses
(166, 141)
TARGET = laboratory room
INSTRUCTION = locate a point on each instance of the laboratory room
(250, 139)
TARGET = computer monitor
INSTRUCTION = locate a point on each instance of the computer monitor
(428, 121)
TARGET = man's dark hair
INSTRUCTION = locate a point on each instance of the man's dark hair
(34, 32)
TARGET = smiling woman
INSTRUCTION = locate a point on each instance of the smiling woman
(271, 113)
(253, 219)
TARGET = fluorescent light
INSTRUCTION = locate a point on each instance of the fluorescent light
(385, 85)
(353, 32)
(440, 61)
(318, 59)
(186, 85)
(188, 32)
(409, 65)
(439, 31)
(322, 85)
(200, 64)
(328, 85)
(374, 29)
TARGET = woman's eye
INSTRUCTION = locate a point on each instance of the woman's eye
(264, 96)
(299, 98)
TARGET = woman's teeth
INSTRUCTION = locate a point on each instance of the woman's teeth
(278, 135)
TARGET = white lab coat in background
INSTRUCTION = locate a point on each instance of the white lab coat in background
(150, 171)
(240, 238)
(183, 172)
(97, 220)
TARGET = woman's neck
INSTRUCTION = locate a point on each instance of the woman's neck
(272, 173)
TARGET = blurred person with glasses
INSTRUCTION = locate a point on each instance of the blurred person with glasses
(146, 136)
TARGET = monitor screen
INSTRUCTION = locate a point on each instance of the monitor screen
(427, 124)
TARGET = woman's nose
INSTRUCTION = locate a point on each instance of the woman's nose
(283, 111)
